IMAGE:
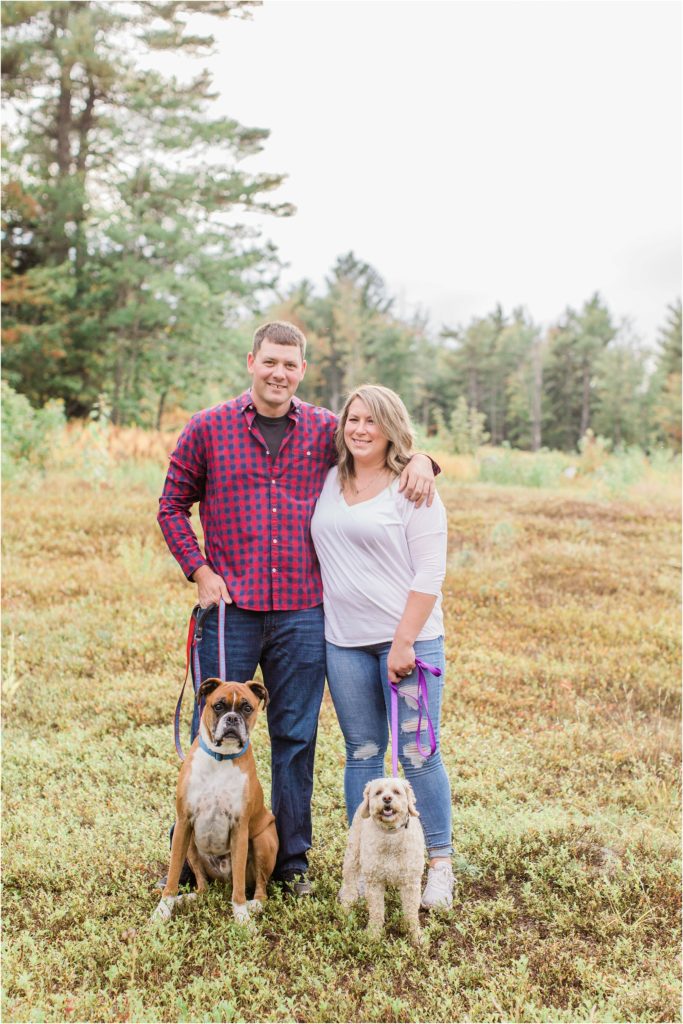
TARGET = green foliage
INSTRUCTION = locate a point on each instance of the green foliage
(594, 452)
(665, 390)
(498, 379)
(124, 260)
(550, 390)
(625, 468)
(484, 357)
(620, 391)
(353, 334)
(670, 345)
(575, 348)
(467, 432)
(518, 469)
(560, 733)
(131, 272)
(27, 433)
(598, 471)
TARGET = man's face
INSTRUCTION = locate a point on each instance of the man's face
(276, 371)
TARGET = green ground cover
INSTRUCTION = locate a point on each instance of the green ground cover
(561, 735)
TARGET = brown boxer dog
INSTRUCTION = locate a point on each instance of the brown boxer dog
(222, 825)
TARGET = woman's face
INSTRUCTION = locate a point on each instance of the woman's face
(363, 437)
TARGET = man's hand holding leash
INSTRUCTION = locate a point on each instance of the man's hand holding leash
(210, 587)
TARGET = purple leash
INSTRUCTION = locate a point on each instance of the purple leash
(422, 708)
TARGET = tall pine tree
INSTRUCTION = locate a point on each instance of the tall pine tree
(576, 345)
(124, 261)
(666, 383)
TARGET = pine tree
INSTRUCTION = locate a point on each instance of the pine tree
(129, 181)
(620, 387)
(524, 383)
(576, 344)
(665, 388)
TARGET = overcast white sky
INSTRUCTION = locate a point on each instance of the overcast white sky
(527, 153)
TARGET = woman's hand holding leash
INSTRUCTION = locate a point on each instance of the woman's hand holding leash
(401, 657)
(210, 587)
(400, 660)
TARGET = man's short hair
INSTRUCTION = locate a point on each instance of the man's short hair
(280, 332)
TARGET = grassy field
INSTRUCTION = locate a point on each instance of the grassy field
(561, 735)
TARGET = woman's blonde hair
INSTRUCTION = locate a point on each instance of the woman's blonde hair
(390, 415)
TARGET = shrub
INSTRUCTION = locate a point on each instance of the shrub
(467, 428)
(594, 452)
(28, 434)
(524, 469)
(623, 469)
(664, 460)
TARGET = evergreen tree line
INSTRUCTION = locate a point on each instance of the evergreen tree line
(132, 280)
(501, 377)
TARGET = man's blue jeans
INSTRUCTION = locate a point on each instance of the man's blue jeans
(290, 648)
(359, 684)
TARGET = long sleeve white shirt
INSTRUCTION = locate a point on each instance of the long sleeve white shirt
(371, 555)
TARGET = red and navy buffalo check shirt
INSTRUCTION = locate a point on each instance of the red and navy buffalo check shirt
(255, 509)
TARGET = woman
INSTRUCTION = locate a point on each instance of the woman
(383, 561)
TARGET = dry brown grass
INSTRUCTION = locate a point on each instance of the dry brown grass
(560, 732)
(122, 444)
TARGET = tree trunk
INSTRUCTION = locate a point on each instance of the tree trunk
(335, 379)
(585, 401)
(86, 122)
(492, 420)
(160, 408)
(536, 393)
(473, 388)
(116, 397)
(59, 243)
(335, 394)
(617, 432)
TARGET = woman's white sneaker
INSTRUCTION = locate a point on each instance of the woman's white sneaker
(438, 892)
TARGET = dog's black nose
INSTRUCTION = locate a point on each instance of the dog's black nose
(386, 799)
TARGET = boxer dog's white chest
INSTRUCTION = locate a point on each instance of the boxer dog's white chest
(216, 795)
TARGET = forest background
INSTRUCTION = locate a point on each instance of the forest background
(132, 279)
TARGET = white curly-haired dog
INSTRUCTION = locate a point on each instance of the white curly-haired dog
(385, 847)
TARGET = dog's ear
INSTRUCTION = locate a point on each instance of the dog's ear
(259, 690)
(207, 687)
(412, 807)
(365, 806)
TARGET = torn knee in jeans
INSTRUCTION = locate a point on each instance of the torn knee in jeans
(412, 754)
(365, 752)
(409, 693)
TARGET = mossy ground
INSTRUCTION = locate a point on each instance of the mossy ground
(560, 732)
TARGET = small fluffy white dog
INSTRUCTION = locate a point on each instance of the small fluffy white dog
(385, 847)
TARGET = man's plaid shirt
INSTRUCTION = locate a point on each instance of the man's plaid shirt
(255, 510)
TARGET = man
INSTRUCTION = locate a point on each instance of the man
(257, 464)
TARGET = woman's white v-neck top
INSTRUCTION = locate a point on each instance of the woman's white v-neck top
(371, 555)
